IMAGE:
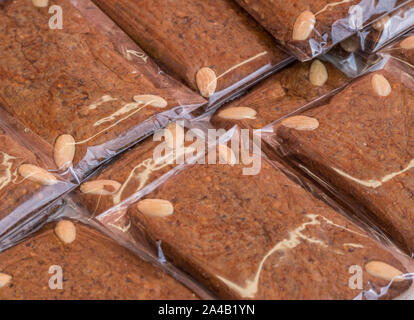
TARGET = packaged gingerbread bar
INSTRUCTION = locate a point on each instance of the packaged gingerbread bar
(293, 89)
(261, 236)
(78, 90)
(387, 29)
(310, 28)
(361, 145)
(213, 46)
(29, 184)
(403, 49)
(69, 260)
(124, 179)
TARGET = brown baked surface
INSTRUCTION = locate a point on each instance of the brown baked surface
(280, 95)
(332, 26)
(367, 138)
(22, 199)
(226, 224)
(53, 81)
(133, 169)
(188, 35)
(93, 266)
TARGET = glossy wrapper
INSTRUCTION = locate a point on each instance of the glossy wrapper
(213, 46)
(310, 28)
(360, 145)
(83, 81)
(225, 230)
(29, 182)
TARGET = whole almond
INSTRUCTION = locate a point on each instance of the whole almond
(302, 123)
(381, 85)
(380, 24)
(66, 231)
(383, 271)
(151, 100)
(40, 3)
(303, 26)
(5, 279)
(100, 187)
(408, 43)
(206, 81)
(37, 174)
(157, 208)
(65, 147)
(351, 44)
(174, 135)
(318, 75)
(226, 155)
(237, 113)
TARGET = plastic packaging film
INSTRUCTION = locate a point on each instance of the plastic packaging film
(94, 267)
(125, 178)
(292, 89)
(72, 86)
(213, 46)
(29, 183)
(224, 229)
(402, 50)
(356, 54)
(310, 28)
(388, 28)
(142, 170)
(360, 145)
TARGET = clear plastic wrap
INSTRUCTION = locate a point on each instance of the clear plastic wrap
(403, 49)
(128, 174)
(87, 82)
(70, 260)
(213, 46)
(360, 146)
(310, 28)
(356, 55)
(348, 57)
(252, 236)
(387, 29)
(29, 183)
(291, 90)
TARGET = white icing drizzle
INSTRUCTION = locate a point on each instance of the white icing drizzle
(354, 245)
(8, 176)
(125, 109)
(295, 238)
(239, 65)
(376, 183)
(139, 55)
(105, 98)
(118, 227)
(150, 165)
(334, 4)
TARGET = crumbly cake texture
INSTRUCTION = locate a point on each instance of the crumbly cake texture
(259, 237)
(364, 147)
(93, 266)
(188, 35)
(280, 95)
(72, 81)
(331, 21)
